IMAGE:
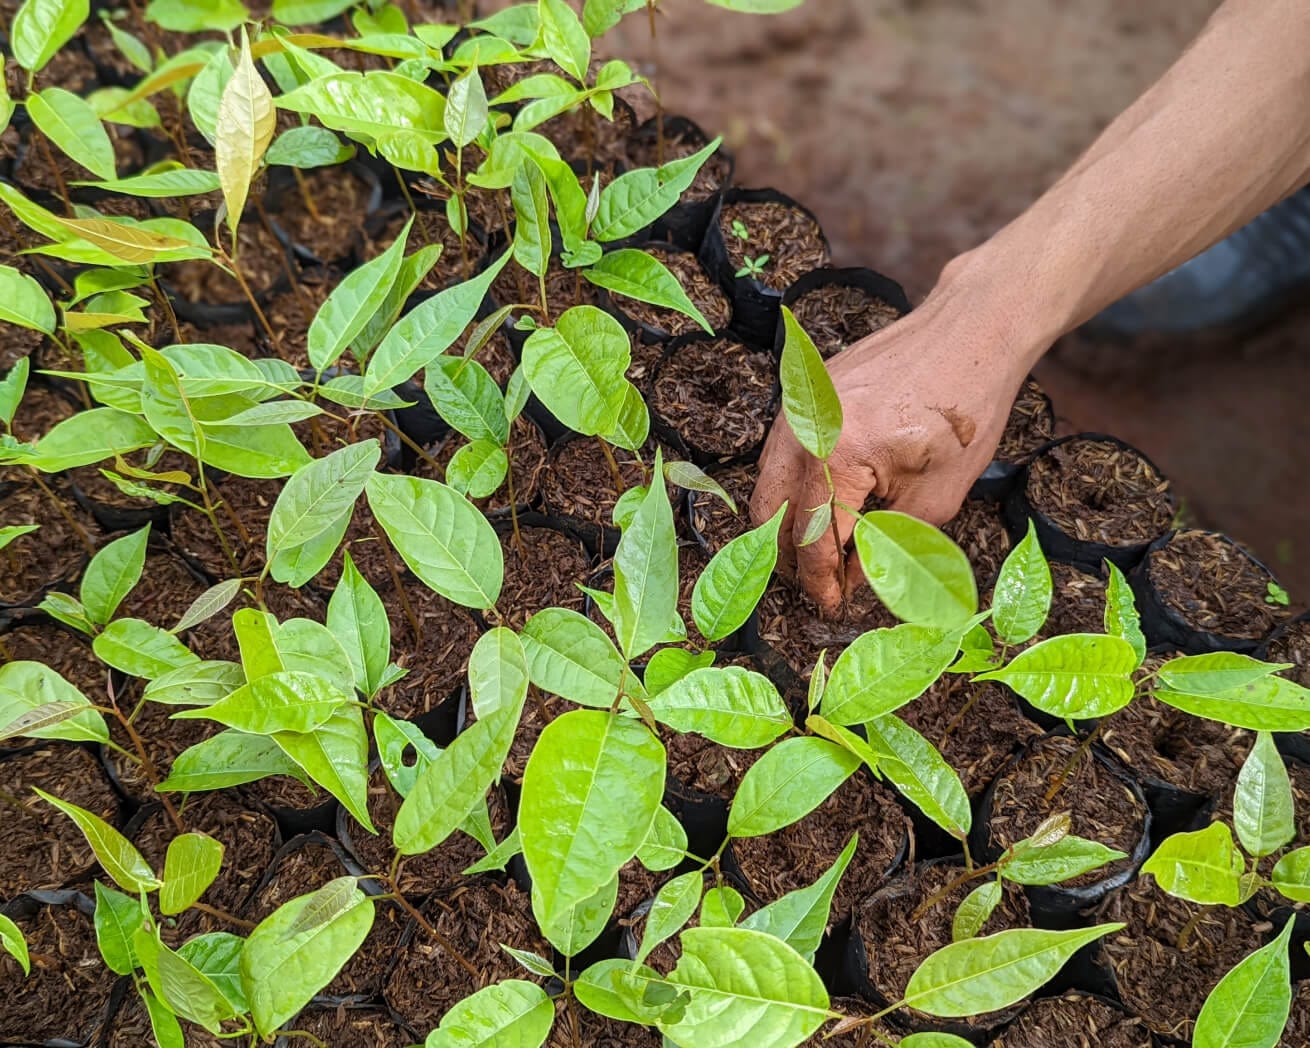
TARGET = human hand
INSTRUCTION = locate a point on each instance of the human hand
(924, 404)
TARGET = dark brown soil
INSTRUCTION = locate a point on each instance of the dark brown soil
(476, 919)
(835, 316)
(496, 355)
(542, 572)
(166, 589)
(584, 135)
(1297, 1031)
(1097, 491)
(979, 531)
(1031, 424)
(679, 142)
(68, 991)
(596, 1031)
(792, 240)
(351, 1028)
(334, 227)
(33, 169)
(793, 627)
(1101, 807)
(260, 256)
(706, 766)
(251, 502)
(1293, 646)
(64, 651)
(565, 288)
(100, 491)
(276, 793)
(1214, 585)
(644, 362)
(53, 553)
(40, 847)
(717, 395)
(716, 521)
(17, 343)
(527, 455)
(578, 482)
(795, 856)
(1077, 603)
(215, 639)
(701, 289)
(1164, 985)
(240, 337)
(1075, 1021)
(438, 870)
(897, 939)
(984, 737)
(249, 839)
(436, 660)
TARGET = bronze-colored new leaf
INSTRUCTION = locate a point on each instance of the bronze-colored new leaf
(246, 119)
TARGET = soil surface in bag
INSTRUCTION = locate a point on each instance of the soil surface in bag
(717, 395)
(1074, 1021)
(836, 316)
(790, 237)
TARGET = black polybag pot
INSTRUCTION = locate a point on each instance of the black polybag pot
(1056, 543)
(755, 306)
(292, 822)
(871, 282)
(685, 223)
(1164, 626)
(119, 518)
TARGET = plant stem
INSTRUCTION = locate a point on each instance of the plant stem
(303, 186)
(1073, 761)
(405, 439)
(223, 915)
(613, 465)
(395, 582)
(213, 520)
(955, 721)
(964, 878)
(168, 305)
(513, 500)
(254, 304)
(64, 512)
(147, 765)
(398, 897)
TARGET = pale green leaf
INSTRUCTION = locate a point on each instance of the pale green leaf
(509, 1014)
(809, 400)
(646, 573)
(1121, 617)
(787, 783)
(72, 125)
(1263, 813)
(246, 121)
(882, 670)
(190, 866)
(23, 302)
(112, 573)
(641, 276)
(920, 574)
(733, 582)
(800, 917)
(230, 758)
(577, 368)
(1074, 677)
(1249, 1006)
(974, 911)
(141, 650)
(731, 705)
(116, 854)
(36, 702)
(1021, 599)
(354, 302)
(1203, 866)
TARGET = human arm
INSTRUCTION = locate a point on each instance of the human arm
(1222, 135)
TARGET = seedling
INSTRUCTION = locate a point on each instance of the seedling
(740, 231)
(753, 267)
(1277, 595)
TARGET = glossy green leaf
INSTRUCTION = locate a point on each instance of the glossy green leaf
(570, 656)
(497, 673)
(466, 108)
(800, 917)
(467, 397)
(441, 536)
(919, 772)
(187, 991)
(509, 1014)
(37, 703)
(577, 368)
(1074, 677)
(196, 684)
(299, 948)
(227, 759)
(636, 198)
(974, 911)
(308, 12)
(983, 975)
(669, 665)
(731, 705)
(354, 302)
(91, 436)
(478, 469)
(335, 755)
(614, 988)
(733, 582)
(572, 929)
(1215, 673)
(671, 908)
(1203, 866)
(217, 956)
(920, 574)
(641, 276)
(1268, 704)
(112, 573)
(666, 843)
(164, 1025)
(195, 16)
(141, 650)
(41, 27)
(14, 385)
(307, 147)
(564, 38)
(23, 302)
(721, 907)
(809, 400)
(1291, 875)
(117, 917)
(787, 783)
(591, 790)
(370, 104)
(1021, 599)
(743, 985)
(115, 852)
(246, 122)
(646, 573)
(1263, 813)
(882, 670)
(532, 228)
(1068, 857)
(1249, 1006)
(632, 426)
(757, 7)
(190, 866)
(1121, 617)
(275, 702)
(395, 740)
(358, 619)
(13, 943)
(932, 1039)
(72, 125)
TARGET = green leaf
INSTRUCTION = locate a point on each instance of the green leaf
(759, 7)
(42, 27)
(532, 230)
(117, 917)
(164, 1025)
(591, 790)
(498, 673)
(441, 536)
(91, 436)
(313, 510)
(246, 122)
(809, 399)
(467, 397)
(669, 665)
(192, 863)
(800, 917)
(564, 38)
(466, 108)
(275, 702)
(1249, 1006)
(1262, 803)
(72, 125)
(665, 845)
(217, 956)
(354, 302)
(452, 785)
(974, 911)
(787, 783)
(509, 1014)
(141, 650)
(394, 739)
(427, 331)
(733, 582)
(23, 302)
(196, 684)
(195, 16)
(1022, 596)
(1074, 677)
(13, 943)
(300, 947)
(1269, 704)
(731, 705)
(722, 907)
(882, 670)
(915, 767)
(1068, 857)
(498, 857)
(577, 368)
(112, 573)
(36, 702)
(736, 981)
(570, 656)
(1291, 875)
(671, 908)
(646, 573)
(1121, 617)
(921, 1040)
(477, 469)
(188, 992)
(13, 386)
(614, 988)
(307, 147)
(638, 275)
(335, 755)
(308, 12)
(636, 198)
(1215, 673)
(227, 759)
(1203, 866)
(115, 852)
(572, 929)
(358, 619)
(920, 574)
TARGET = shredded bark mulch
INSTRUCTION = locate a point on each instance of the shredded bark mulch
(1030, 425)
(716, 521)
(586, 136)
(55, 552)
(290, 314)
(1077, 603)
(578, 482)
(260, 257)
(132, 1029)
(330, 223)
(836, 316)
(243, 517)
(704, 293)
(979, 530)
(1214, 585)
(791, 624)
(1098, 491)
(718, 395)
(565, 288)
(791, 238)
(706, 766)
(67, 653)
(165, 590)
(163, 738)
(1293, 645)
(436, 658)
(351, 1027)
(455, 263)
(1075, 1020)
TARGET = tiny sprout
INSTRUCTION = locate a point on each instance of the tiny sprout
(739, 229)
(753, 267)
(1277, 595)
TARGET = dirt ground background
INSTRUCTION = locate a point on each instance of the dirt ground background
(915, 128)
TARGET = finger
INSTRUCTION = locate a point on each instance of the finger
(820, 563)
(781, 464)
(932, 498)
